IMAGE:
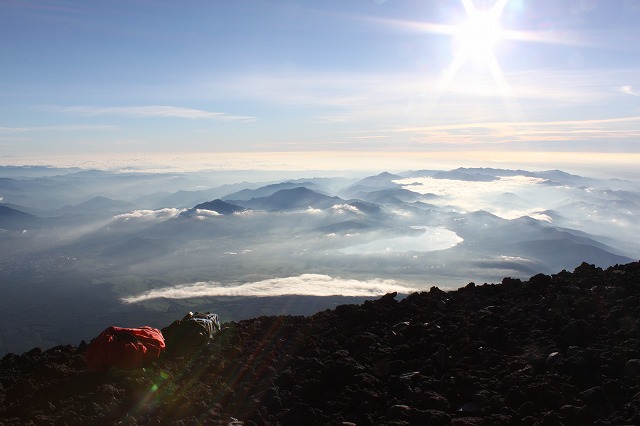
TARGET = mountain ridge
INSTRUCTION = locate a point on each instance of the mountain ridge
(217, 206)
(296, 198)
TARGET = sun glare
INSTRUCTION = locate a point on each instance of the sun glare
(473, 48)
(477, 37)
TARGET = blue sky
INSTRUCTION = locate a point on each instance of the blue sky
(89, 78)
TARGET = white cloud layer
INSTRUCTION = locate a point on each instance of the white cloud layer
(162, 214)
(302, 285)
(203, 214)
(344, 208)
(450, 187)
(473, 196)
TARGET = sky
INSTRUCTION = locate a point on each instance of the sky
(309, 83)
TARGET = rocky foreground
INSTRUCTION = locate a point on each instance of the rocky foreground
(561, 349)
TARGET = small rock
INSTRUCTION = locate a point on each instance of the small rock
(429, 417)
(551, 419)
(397, 411)
(442, 357)
(527, 408)
(577, 332)
(469, 407)
(574, 351)
(632, 368)
(595, 396)
(540, 280)
(553, 359)
(441, 305)
(429, 400)
(481, 398)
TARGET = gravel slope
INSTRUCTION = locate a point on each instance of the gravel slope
(561, 349)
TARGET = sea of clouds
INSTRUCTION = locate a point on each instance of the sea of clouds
(468, 196)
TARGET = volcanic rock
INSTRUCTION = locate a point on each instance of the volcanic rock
(556, 350)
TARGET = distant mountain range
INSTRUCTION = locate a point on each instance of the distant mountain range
(101, 206)
(268, 190)
(298, 198)
(107, 235)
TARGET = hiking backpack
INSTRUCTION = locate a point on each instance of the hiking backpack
(124, 348)
(191, 332)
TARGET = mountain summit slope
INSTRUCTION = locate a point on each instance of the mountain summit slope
(558, 349)
(290, 199)
(218, 206)
(11, 218)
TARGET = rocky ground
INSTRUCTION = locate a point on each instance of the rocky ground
(561, 349)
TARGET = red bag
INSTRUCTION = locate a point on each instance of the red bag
(124, 348)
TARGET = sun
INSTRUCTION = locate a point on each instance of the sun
(474, 43)
(475, 39)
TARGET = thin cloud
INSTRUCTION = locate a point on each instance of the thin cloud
(362, 98)
(409, 26)
(329, 89)
(13, 129)
(302, 285)
(61, 127)
(629, 90)
(152, 111)
(77, 127)
(510, 132)
(565, 37)
(371, 137)
(560, 38)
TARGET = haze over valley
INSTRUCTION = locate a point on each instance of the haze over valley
(80, 249)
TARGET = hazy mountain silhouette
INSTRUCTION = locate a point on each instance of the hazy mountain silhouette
(8, 212)
(188, 198)
(13, 218)
(268, 190)
(348, 226)
(291, 199)
(371, 183)
(388, 196)
(98, 206)
(527, 238)
(381, 178)
(217, 206)
(460, 174)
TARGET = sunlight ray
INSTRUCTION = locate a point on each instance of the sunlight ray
(504, 89)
